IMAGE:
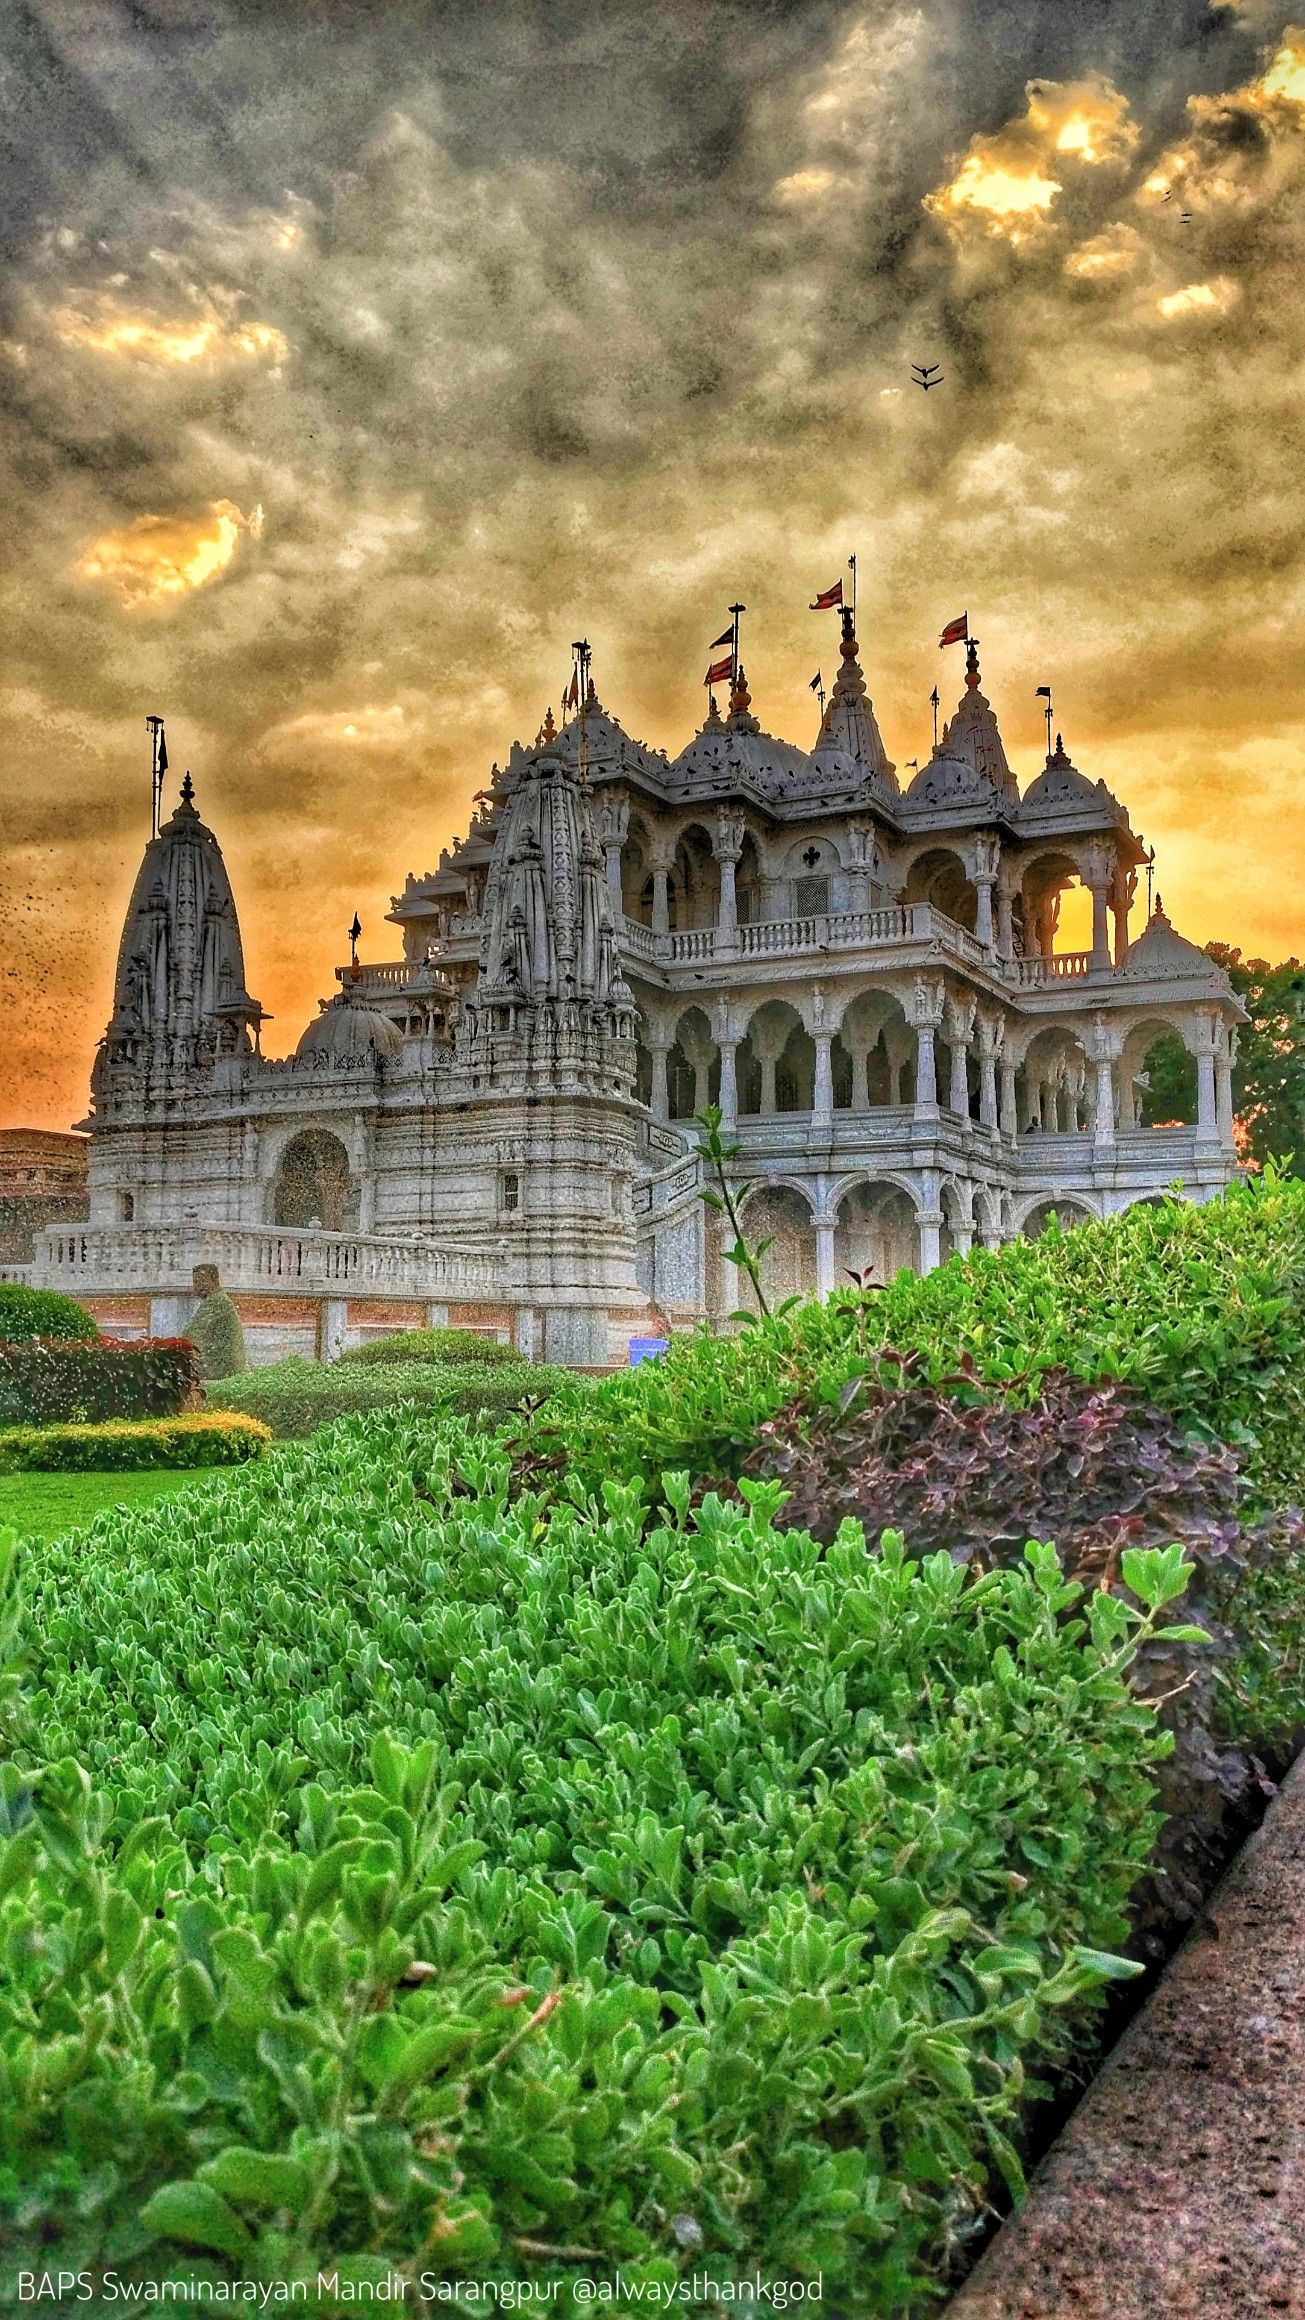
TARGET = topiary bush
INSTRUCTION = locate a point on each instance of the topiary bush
(294, 1397)
(431, 1345)
(127, 1445)
(589, 1896)
(50, 1382)
(215, 1332)
(26, 1313)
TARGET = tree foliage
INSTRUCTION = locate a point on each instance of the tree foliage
(1269, 1074)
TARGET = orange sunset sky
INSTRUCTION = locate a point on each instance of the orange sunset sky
(355, 360)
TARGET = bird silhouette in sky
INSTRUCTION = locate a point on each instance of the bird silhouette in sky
(926, 375)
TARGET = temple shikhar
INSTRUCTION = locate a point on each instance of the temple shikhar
(497, 1125)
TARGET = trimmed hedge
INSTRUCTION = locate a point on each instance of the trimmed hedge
(215, 1332)
(126, 1445)
(1202, 1310)
(431, 1345)
(294, 1397)
(41, 1313)
(51, 1382)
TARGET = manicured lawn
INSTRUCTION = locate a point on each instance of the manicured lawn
(47, 1504)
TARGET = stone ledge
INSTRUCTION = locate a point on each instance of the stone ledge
(1178, 2186)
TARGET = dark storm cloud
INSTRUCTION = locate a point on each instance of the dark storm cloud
(351, 355)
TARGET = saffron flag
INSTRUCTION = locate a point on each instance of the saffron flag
(815, 682)
(1043, 693)
(720, 671)
(571, 698)
(956, 631)
(726, 638)
(163, 751)
(829, 599)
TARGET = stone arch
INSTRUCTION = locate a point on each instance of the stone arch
(873, 1053)
(876, 1233)
(1157, 1075)
(939, 876)
(1053, 1083)
(692, 1066)
(636, 871)
(314, 1188)
(776, 1061)
(694, 887)
(782, 1214)
(1049, 877)
(1070, 1208)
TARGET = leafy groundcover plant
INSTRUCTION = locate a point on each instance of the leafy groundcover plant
(295, 1397)
(1202, 1310)
(398, 1881)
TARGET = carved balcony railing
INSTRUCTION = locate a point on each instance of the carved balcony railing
(163, 1256)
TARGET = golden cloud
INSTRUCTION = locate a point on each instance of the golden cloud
(148, 338)
(156, 558)
(1006, 183)
(1199, 298)
(376, 725)
(808, 185)
(1109, 256)
(1215, 166)
(1285, 79)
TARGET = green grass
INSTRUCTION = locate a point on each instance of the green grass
(46, 1505)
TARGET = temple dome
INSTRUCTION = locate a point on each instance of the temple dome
(1061, 785)
(1161, 952)
(346, 1032)
(849, 733)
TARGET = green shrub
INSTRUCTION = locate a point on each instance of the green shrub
(65, 1381)
(710, 1910)
(294, 1397)
(432, 1345)
(41, 1313)
(1202, 1309)
(126, 1445)
(215, 1332)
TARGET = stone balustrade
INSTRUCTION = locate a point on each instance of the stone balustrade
(893, 925)
(106, 1257)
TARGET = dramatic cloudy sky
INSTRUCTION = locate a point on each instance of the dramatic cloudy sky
(354, 358)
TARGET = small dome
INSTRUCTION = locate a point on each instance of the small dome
(1162, 952)
(346, 1033)
(1060, 784)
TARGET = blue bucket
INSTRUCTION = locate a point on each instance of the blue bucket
(646, 1349)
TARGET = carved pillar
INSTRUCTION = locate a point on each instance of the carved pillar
(1224, 1054)
(1103, 1047)
(927, 1015)
(726, 1035)
(960, 1026)
(990, 1041)
(1207, 1110)
(930, 1221)
(985, 861)
(1009, 1116)
(1005, 920)
(824, 1256)
(1121, 903)
(659, 1046)
(860, 1079)
(863, 858)
(727, 845)
(613, 828)
(822, 1100)
(661, 858)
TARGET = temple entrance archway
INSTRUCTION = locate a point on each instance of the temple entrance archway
(875, 1234)
(313, 1188)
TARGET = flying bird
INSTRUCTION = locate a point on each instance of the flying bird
(1184, 217)
(926, 375)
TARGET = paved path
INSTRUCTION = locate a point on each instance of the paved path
(1177, 2190)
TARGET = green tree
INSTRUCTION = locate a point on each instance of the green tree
(1269, 1074)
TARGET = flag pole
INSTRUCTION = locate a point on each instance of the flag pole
(735, 610)
(852, 562)
(933, 702)
(154, 726)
